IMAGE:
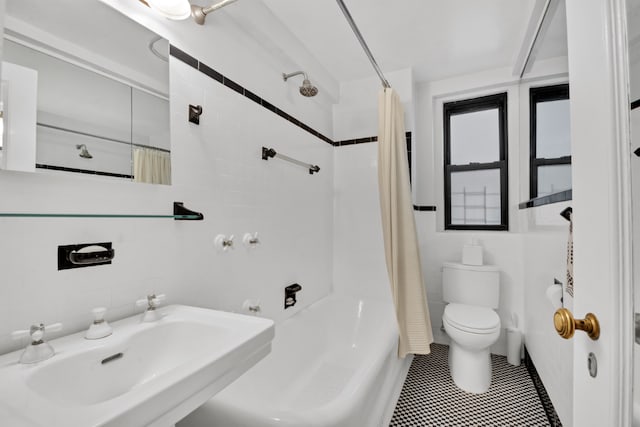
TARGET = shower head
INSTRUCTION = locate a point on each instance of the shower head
(84, 153)
(307, 89)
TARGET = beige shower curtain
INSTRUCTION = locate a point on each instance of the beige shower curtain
(399, 229)
(152, 166)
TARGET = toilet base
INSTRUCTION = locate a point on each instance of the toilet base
(470, 369)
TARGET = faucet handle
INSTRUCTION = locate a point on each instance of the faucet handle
(251, 240)
(222, 243)
(151, 301)
(155, 300)
(23, 333)
(36, 332)
(98, 314)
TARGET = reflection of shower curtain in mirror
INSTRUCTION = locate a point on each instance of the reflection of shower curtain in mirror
(152, 166)
(399, 229)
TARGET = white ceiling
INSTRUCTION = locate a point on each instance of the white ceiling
(436, 38)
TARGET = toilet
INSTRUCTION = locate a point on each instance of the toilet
(472, 293)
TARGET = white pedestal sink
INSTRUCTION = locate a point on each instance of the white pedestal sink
(145, 374)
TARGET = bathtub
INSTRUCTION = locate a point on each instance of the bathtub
(333, 364)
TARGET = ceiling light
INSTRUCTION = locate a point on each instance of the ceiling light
(172, 9)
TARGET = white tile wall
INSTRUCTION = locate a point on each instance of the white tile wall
(358, 251)
(217, 170)
(356, 113)
(545, 255)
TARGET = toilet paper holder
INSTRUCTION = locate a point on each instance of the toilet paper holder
(558, 282)
(555, 294)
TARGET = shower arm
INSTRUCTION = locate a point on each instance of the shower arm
(295, 73)
(199, 13)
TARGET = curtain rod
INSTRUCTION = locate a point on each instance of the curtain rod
(356, 31)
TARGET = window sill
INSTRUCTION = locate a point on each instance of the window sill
(561, 196)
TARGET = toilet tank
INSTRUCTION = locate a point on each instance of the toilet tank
(471, 284)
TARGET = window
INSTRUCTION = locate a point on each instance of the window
(550, 133)
(475, 164)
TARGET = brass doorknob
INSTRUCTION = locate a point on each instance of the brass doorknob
(566, 325)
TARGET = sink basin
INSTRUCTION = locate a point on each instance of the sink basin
(144, 374)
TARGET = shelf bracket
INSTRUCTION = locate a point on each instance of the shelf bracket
(187, 215)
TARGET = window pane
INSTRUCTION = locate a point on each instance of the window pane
(552, 179)
(553, 130)
(475, 197)
(475, 137)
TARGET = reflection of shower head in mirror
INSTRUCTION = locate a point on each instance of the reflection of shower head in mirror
(84, 153)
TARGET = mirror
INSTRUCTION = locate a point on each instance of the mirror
(100, 95)
(546, 101)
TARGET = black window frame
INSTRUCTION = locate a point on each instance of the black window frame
(489, 102)
(536, 96)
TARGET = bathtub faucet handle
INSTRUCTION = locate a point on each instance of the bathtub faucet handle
(252, 306)
(251, 240)
(222, 243)
(290, 295)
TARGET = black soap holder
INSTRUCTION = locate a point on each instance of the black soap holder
(195, 111)
(84, 255)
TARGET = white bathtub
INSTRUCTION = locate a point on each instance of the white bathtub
(333, 364)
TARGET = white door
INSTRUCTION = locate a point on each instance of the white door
(598, 72)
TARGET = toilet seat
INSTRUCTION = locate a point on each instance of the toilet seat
(471, 318)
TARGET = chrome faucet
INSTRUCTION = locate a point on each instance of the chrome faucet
(38, 350)
(152, 301)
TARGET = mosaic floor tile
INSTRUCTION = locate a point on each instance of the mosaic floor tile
(429, 398)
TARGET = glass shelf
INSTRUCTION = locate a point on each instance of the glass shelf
(73, 215)
(179, 213)
(561, 196)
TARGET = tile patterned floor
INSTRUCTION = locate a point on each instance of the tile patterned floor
(429, 397)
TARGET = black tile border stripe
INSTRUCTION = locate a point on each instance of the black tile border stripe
(552, 415)
(183, 56)
(85, 171)
(203, 68)
(221, 78)
(424, 208)
(367, 139)
(561, 196)
(635, 104)
(355, 141)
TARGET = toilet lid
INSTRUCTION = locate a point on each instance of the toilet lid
(471, 318)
